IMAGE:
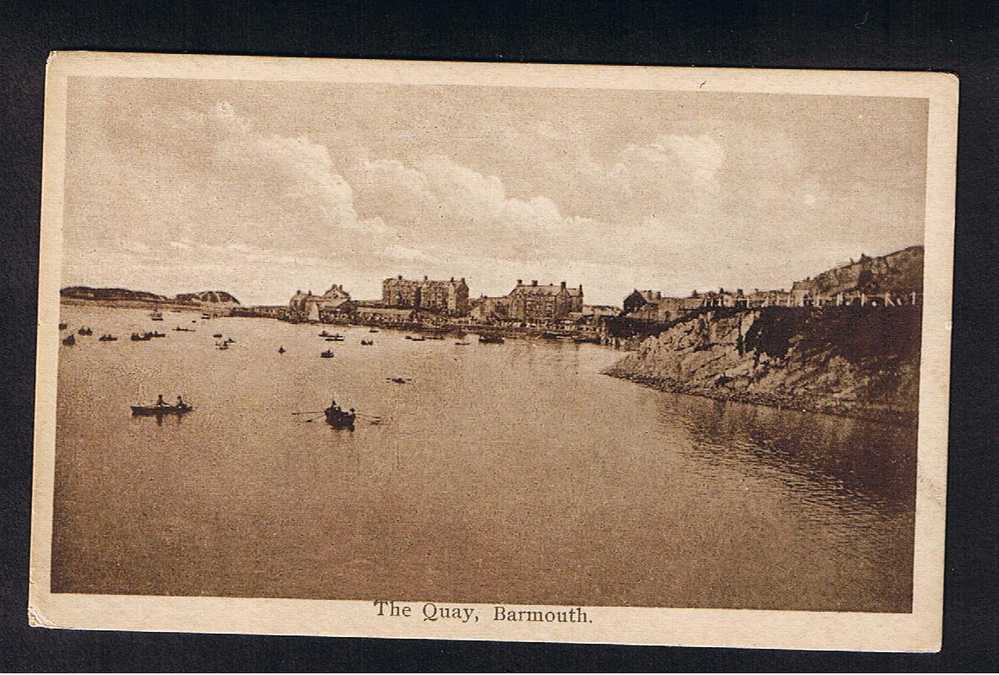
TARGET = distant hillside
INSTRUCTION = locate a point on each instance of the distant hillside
(109, 294)
(125, 294)
(213, 297)
(899, 272)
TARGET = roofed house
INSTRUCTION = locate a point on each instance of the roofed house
(334, 303)
(534, 303)
(450, 297)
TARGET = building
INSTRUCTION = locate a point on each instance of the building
(387, 316)
(540, 304)
(448, 297)
(490, 310)
(334, 304)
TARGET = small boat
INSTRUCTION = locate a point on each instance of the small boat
(84, 330)
(141, 338)
(157, 410)
(397, 380)
(373, 330)
(434, 337)
(461, 344)
(156, 335)
(329, 339)
(222, 346)
(328, 354)
(156, 315)
(415, 338)
(367, 343)
(107, 338)
(206, 315)
(184, 330)
(491, 339)
(217, 335)
(586, 340)
(69, 340)
(281, 349)
(63, 325)
(336, 338)
(340, 419)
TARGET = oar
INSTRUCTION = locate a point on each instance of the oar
(308, 412)
(316, 417)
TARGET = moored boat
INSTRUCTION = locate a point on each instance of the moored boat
(141, 338)
(63, 325)
(328, 354)
(184, 330)
(491, 339)
(107, 337)
(69, 340)
(85, 330)
(367, 343)
(156, 315)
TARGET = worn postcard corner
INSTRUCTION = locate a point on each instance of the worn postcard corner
(490, 351)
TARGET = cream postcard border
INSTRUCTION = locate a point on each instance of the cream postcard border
(918, 631)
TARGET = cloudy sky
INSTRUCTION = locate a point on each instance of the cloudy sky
(263, 188)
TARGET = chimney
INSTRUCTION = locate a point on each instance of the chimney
(520, 282)
(424, 277)
(452, 280)
(659, 295)
(463, 280)
(400, 277)
(534, 282)
(581, 288)
(563, 285)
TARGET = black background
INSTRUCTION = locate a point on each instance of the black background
(959, 37)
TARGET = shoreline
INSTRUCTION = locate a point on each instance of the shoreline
(825, 406)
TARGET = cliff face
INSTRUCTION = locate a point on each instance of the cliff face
(853, 361)
(899, 272)
(212, 297)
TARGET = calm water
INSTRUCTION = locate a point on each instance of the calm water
(501, 473)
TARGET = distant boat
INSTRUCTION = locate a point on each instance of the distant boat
(69, 340)
(151, 410)
(281, 349)
(154, 334)
(107, 338)
(367, 343)
(206, 315)
(62, 326)
(461, 344)
(156, 315)
(217, 335)
(373, 330)
(415, 338)
(491, 339)
(184, 330)
(398, 380)
(141, 338)
(328, 354)
(222, 346)
(84, 330)
(434, 337)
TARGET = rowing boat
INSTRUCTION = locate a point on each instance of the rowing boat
(150, 410)
(340, 419)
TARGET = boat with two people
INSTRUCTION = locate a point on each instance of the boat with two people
(69, 340)
(491, 339)
(328, 354)
(156, 315)
(184, 330)
(373, 330)
(161, 407)
(415, 338)
(63, 325)
(367, 343)
(85, 330)
(107, 337)
(136, 337)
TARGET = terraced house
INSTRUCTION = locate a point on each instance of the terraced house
(534, 303)
(447, 297)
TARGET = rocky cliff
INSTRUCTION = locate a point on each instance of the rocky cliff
(856, 361)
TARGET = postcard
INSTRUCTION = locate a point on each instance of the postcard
(481, 351)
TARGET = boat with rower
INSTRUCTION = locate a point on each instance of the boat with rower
(157, 410)
(491, 339)
(85, 330)
(184, 330)
(156, 315)
(367, 343)
(69, 340)
(340, 419)
(328, 354)
(136, 337)
(107, 337)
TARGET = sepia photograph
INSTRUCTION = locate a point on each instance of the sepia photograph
(482, 351)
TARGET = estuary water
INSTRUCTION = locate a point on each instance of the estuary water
(512, 473)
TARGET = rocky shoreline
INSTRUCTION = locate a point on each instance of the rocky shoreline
(845, 362)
